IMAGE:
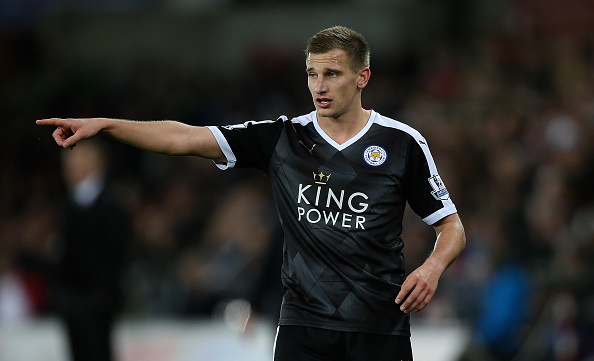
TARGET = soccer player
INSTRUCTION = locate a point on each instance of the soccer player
(341, 176)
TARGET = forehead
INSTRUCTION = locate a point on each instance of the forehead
(335, 58)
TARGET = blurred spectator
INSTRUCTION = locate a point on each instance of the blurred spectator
(15, 305)
(505, 306)
(91, 255)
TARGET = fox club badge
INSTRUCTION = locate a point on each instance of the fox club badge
(440, 191)
(374, 155)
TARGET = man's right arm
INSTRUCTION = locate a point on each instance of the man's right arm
(163, 137)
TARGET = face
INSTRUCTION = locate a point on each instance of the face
(334, 87)
(80, 163)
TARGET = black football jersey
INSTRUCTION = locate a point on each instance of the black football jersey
(341, 208)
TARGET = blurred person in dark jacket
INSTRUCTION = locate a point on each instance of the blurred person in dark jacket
(91, 254)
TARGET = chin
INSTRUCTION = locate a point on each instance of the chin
(326, 113)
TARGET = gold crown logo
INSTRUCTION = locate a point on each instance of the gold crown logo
(321, 178)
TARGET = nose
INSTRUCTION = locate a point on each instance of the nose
(320, 85)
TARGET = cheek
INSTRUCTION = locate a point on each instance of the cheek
(347, 90)
(310, 86)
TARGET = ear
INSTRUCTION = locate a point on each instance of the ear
(364, 75)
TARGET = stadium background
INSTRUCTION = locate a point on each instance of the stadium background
(502, 90)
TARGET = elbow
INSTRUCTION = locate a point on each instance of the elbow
(453, 226)
(462, 238)
(461, 234)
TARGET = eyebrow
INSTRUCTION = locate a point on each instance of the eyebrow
(310, 69)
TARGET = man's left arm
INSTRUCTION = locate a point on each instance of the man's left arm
(420, 286)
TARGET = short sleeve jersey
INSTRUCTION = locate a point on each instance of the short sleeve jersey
(341, 208)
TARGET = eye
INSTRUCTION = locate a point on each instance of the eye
(312, 75)
(332, 74)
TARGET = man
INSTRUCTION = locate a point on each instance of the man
(341, 176)
(94, 237)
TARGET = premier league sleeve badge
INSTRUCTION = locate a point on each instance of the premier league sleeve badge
(440, 192)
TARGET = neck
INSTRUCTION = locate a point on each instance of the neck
(345, 127)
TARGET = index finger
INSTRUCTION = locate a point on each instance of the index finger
(51, 121)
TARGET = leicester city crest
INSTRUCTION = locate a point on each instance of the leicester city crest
(374, 155)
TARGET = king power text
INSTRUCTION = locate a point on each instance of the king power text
(348, 215)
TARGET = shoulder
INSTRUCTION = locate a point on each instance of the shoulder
(390, 123)
(304, 119)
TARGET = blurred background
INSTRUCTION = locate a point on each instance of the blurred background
(502, 90)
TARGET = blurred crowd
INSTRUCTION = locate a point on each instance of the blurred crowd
(509, 119)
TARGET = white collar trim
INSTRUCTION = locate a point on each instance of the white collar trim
(344, 145)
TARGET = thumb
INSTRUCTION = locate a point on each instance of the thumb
(73, 139)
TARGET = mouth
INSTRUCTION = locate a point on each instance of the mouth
(323, 102)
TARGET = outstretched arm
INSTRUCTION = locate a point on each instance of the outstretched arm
(420, 286)
(163, 137)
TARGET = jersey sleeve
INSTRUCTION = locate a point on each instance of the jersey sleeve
(426, 193)
(250, 144)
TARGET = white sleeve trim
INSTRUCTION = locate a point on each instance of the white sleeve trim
(440, 214)
(224, 145)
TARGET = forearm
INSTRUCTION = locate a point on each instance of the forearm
(420, 286)
(163, 137)
(450, 241)
(154, 136)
